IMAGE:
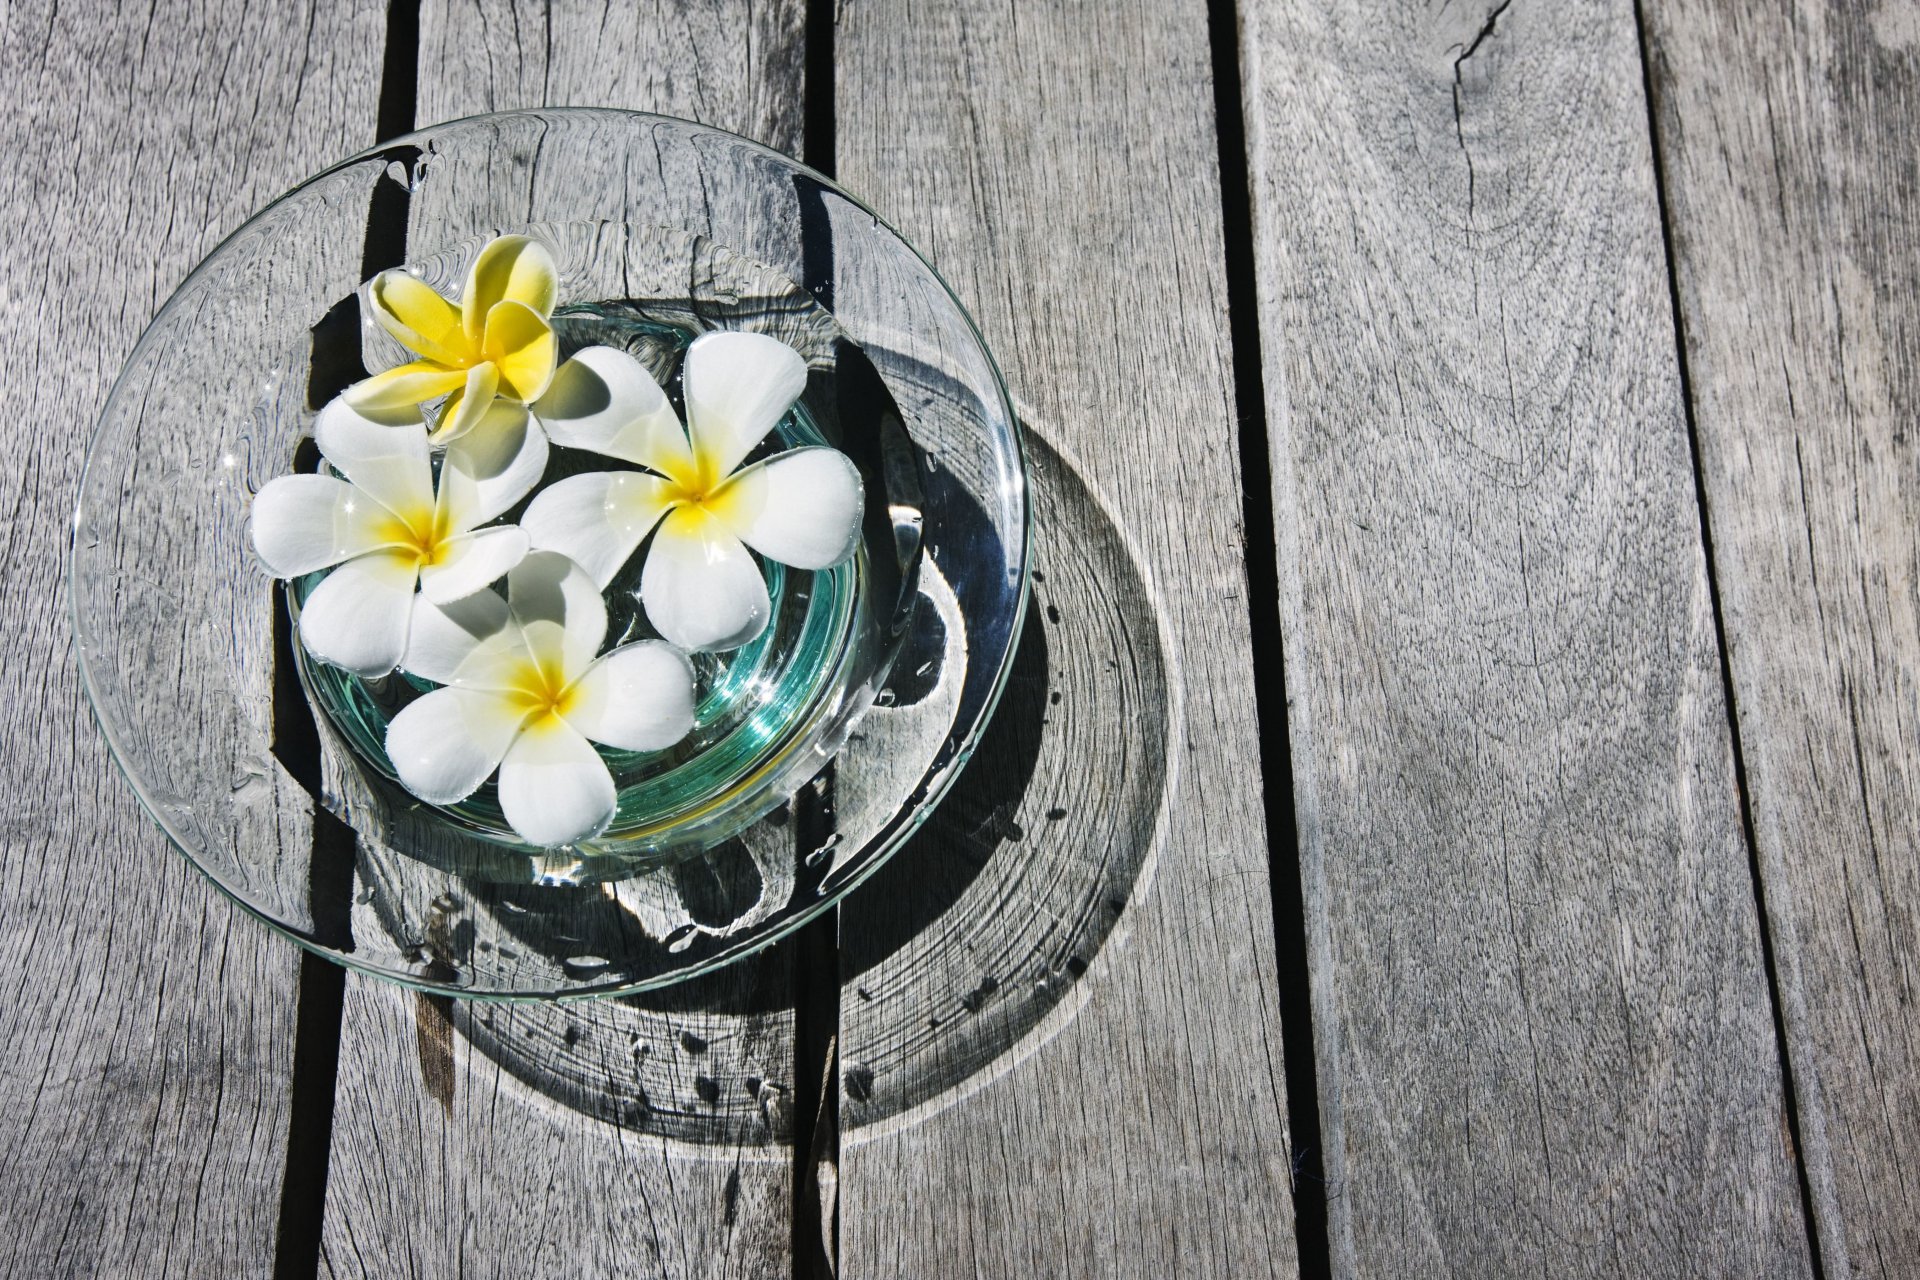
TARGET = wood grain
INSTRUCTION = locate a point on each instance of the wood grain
(148, 1028)
(1784, 140)
(1065, 183)
(1543, 1028)
(640, 1137)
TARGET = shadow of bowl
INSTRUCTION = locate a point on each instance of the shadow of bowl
(972, 945)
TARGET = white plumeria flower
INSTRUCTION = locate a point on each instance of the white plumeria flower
(524, 694)
(389, 528)
(701, 588)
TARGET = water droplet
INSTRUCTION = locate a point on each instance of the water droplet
(583, 967)
(976, 999)
(858, 1080)
(814, 858)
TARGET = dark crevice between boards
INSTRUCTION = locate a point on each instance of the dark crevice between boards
(399, 72)
(316, 1036)
(816, 1060)
(816, 946)
(1285, 869)
(296, 739)
(1789, 1091)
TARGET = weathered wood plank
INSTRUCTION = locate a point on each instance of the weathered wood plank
(1543, 1028)
(732, 64)
(640, 1138)
(1065, 182)
(1785, 135)
(148, 1037)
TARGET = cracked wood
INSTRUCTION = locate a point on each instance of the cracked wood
(1544, 1035)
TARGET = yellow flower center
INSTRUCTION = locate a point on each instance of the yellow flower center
(422, 531)
(539, 692)
(703, 491)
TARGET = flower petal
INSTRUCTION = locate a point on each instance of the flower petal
(521, 344)
(801, 508)
(637, 698)
(738, 385)
(445, 744)
(510, 268)
(419, 319)
(357, 617)
(491, 467)
(389, 463)
(303, 523)
(701, 587)
(470, 561)
(445, 635)
(403, 385)
(467, 405)
(597, 519)
(604, 401)
(559, 610)
(554, 788)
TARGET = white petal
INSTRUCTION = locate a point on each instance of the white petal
(303, 523)
(737, 387)
(471, 561)
(554, 788)
(604, 401)
(801, 508)
(638, 698)
(446, 744)
(444, 636)
(386, 460)
(701, 587)
(357, 617)
(492, 467)
(597, 519)
(559, 610)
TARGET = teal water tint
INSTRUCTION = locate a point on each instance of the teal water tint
(756, 705)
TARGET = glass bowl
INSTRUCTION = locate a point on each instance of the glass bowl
(819, 750)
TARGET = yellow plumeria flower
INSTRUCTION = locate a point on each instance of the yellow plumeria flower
(496, 344)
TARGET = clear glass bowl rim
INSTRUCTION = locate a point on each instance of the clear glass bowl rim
(888, 843)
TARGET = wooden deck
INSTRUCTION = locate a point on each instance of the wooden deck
(1478, 510)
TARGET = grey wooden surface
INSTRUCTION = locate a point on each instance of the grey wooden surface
(1068, 189)
(147, 1025)
(1559, 354)
(1542, 1026)
(1793, 215)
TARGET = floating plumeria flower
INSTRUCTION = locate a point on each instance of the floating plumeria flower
(497, 344)
(701, 588)
(525, 694)
(390, 528)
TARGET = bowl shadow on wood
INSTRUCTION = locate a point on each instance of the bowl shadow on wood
(974, 944)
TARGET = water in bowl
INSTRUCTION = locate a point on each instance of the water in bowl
(769, 713)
